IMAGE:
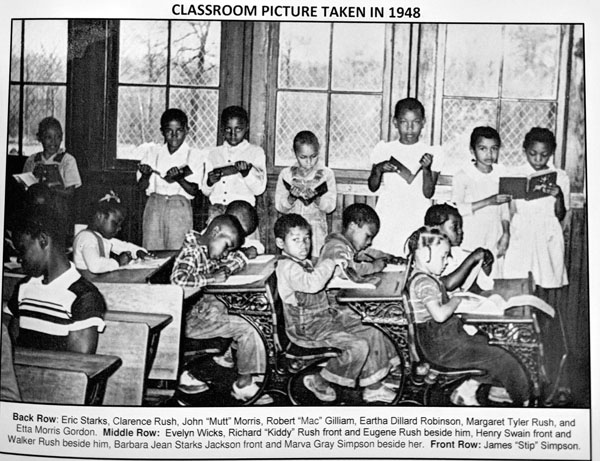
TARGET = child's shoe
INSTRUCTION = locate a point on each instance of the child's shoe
(244, 393)
(190, 385)
(225, 360)
(324, 395)
(499, 395)
(381, 394)
(465, 394)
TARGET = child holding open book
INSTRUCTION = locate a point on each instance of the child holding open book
(307, 188)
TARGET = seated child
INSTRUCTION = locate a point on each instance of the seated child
(462, 264)
(441, 335)
(296, 188)
(208, 258)
(95, 248)
(312, 322)
(235, 170)
(55, 307)
(248, 218)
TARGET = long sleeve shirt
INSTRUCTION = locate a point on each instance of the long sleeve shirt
(236, 187)
(337, 246)
(292, 277)
(325, 204)
(194, 268)
(92, 252)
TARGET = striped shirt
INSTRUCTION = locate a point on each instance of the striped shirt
(424, 288)
(48, 313)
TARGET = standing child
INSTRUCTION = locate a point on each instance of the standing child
(537, 243)
(440, 333)
(307, 188)
(486, 218)
(310, 321)
(402, 200)
(95, 248)
(235, 170)
(170, 186)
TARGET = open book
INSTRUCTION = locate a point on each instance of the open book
(227, 170)
(528, 188)
(25, 179)
(320, 190)
(496, 304)
(403, 170)
(184, 172)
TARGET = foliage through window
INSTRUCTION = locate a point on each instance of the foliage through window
(166, 64)
(38, 79)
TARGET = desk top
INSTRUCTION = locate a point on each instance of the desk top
(389, 289)
(133, 275)
(155, 322)
(262, 270)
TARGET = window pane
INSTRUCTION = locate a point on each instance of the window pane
(15, 60)
(202, 109)
(45, 51)
(143, 52)
(517, 118)
(297, 112)
(13, 120)
(358, 56)
(303, 55)
(41, 102)
(459, 117)
(353, 132)
(531, 61)
(195, 53)
(473, 56)
(139, 119)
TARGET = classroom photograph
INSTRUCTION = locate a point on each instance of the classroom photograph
(244, 213)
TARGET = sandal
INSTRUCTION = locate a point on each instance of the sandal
(324, 395)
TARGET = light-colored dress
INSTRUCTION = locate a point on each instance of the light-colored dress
(482, 228)
(401, 206)
(315, 212)
(537, 243)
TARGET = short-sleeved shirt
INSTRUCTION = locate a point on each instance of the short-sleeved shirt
(67, 166)
(48, 313)
(424, 288)
(161, 160)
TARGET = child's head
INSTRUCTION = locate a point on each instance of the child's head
(306, 148)
(245, 214)
(108, 216)
(234, 123)
(485, 146)
(39, 237)
(174, 128)
(539, 145)
(224, 234)
(409, 120)
(429, 249)
(292, 235)
(447, 219)
(360, 225)
(50, 134)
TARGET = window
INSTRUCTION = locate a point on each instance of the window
(38, 80)
(166, 64)
(509, 81)
(330, 80)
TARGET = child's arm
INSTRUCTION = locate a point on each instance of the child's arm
(284, 200)
(255, 170)
(442, 312)
(84, 341)
(88, 311)
(504, 240)
(456, 278)
(191, 270)
(328, 201)
(119, 246)
(190, 187)
(234, 262)
(315, 281)
(376, 175)
(86, 246)
(555, 191)
(429, 177)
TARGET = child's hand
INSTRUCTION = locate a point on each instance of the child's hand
(309, 194)
(220, 276)
(142, 254)
(498, 199)
(296, 192)
(243, 167)
(379, 265)
(145, 169)
(124, 258)
(213, 177)
(250, 252)
(341, 261)
(426, 161)
(172, 173)
(503, 244)
(551, 189)
(386, 167)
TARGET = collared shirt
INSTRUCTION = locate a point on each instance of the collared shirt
(161, 160)
(48, 313)
(193, 266)
(294, 275)
(67, 167)
(236, 187)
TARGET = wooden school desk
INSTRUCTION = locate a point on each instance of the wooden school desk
(145, 275)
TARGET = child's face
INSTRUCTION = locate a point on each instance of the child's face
(361, 237)
(174, 134)
(234, 131)
(307, 156)
(296, 243)
(223, 240)
(538, 155)
(31, 254)
(453, 229)
(409, 125)
(109, 225)
(435, 257)
(51, 139)
(486, 153)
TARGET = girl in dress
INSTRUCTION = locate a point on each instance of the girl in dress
(537, 242)
(486, 218)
